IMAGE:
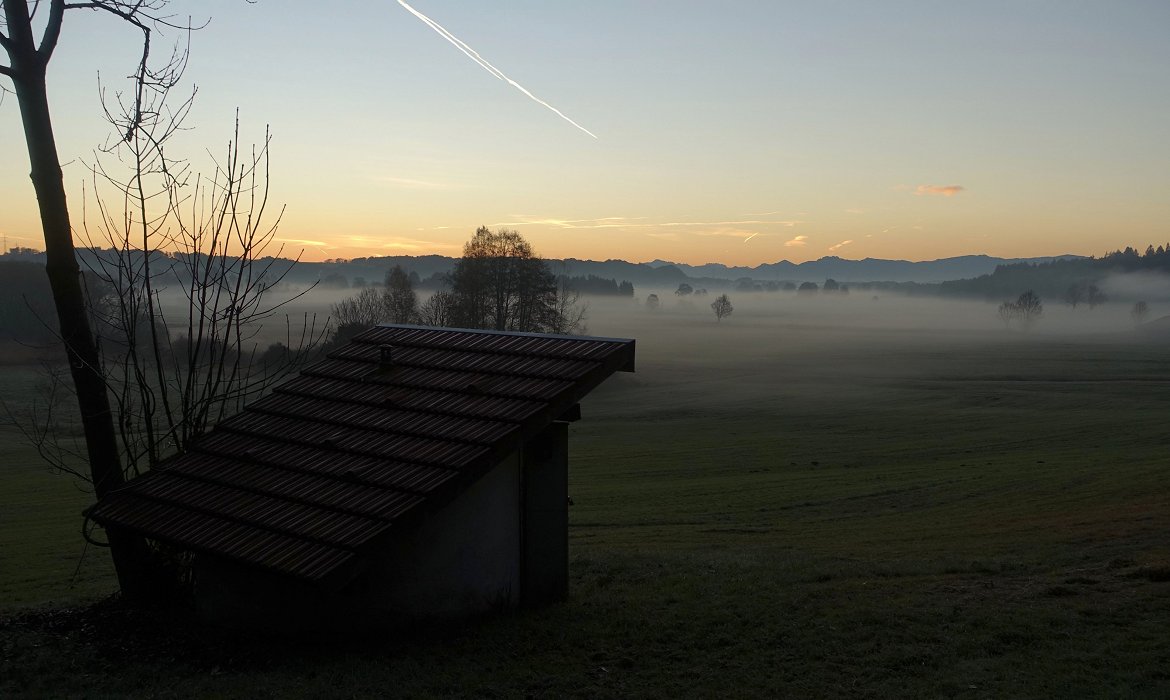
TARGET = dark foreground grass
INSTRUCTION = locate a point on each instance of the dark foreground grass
(660, 626)
(943, 518)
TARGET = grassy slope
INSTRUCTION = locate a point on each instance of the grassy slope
(759, 509)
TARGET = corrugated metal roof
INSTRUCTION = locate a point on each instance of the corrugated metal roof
(307, 480)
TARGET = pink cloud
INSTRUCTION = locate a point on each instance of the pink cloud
(944, 190)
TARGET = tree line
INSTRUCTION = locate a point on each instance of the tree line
(499, 284)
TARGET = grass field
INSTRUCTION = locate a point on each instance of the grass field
(768, 506)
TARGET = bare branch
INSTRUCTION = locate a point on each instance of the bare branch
(52, 29)
(5, 70)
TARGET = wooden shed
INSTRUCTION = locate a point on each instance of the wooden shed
(414, 473)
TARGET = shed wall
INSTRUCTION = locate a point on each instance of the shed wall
(463, 559)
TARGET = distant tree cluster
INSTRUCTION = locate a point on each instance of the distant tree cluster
(334, 280)
(1026, 310)
(1056, 278)
(501, 284)
(1084, 293)
(396, 302)
(592, 285)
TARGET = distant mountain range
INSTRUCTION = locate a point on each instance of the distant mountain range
(661, 274)
(866, 270)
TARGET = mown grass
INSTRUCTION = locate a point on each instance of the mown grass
(757, 512)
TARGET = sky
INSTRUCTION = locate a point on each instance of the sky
(732, 132)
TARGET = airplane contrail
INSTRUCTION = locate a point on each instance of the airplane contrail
(474, 55)
(751, 236)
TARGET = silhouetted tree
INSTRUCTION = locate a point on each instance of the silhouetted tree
(143, 128)
(1095, 297)
(1007, 313)
(1075, 294)
(1139, 312)
(364, 309)
(334, 280)
(399, 299)
(1027, 309)
(684, 289)
(438, 310)
(500, 284)
(652, 302)
(806, 288)
(722, 307)
(830, 286)
(28, 58)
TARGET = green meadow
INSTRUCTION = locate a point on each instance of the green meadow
(796, 501)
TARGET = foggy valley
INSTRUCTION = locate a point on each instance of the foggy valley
(584, 350)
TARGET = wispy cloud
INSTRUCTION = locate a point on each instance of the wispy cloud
(302, 241)
(727, 232)
(944, 190)
(642, 222)
(411, 244)
(473, 55)
(840, 245)
(797, 242)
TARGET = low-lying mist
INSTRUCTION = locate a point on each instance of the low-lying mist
(763, 321)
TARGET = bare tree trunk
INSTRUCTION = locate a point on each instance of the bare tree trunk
(28, 76)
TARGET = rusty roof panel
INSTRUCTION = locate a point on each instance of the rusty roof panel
(322, 491)
(369, 442)
(384, 418)
(267, 512)
(355, 468)
(328, 463)
(492, 363)
(203, 532)
(387, 395)
(567, 347)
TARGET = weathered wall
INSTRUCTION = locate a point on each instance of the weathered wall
(545, 562)
(463, 559)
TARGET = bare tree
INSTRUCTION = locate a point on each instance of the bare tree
(438, 310)
(1026, 309)
(567, 314)
(501, 284)
(28, 60)
(1030, 308)
(1095, 297)
(400, 301)
(1007, 313)
(1075, 294)
(203, 244)
(169, 378)
(1139, 312)
(722, 307)
(366, 308)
